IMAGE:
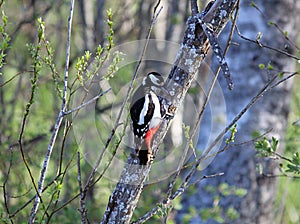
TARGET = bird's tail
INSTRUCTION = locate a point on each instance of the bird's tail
(141, 151)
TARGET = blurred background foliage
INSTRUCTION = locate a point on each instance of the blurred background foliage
(130, 21)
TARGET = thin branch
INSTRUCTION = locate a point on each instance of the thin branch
(217, 51)
(87, 103)
(284, 79)
(59, 176)
(61, 180)
(58, 121)
(166, 202)
(194, 7)
(281, 175)
(25, 118)
(228, 146)
(82, 209)
(67, 128)
(31, 199)
(12, 78)
(266, 46)
(275, 25)
(283, 158)
(6, 176)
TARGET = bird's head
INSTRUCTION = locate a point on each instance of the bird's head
(153, 79)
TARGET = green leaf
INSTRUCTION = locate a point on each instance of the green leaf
(186, 130)
(265, 147)
(99, 50)
(225, 189)
(274, 144)
(233, 130)
(4, 18)
(280, 75)
(232, 213)
(293, 169)
(241, 192)
(41, 29)
(88, 55)
(270, 67)
(261, 66)
(253, 4)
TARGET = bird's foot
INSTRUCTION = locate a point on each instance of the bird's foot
(145, 157)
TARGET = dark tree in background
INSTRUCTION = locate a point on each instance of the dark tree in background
(262, 21)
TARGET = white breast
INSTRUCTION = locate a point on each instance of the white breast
(156, 119)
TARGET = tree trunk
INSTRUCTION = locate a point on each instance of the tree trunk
(87, 20)
(269, 113)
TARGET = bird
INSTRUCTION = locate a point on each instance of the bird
(147, 113)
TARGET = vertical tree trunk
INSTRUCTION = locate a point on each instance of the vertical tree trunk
(99, 23)
(271, 112)
(87, 19)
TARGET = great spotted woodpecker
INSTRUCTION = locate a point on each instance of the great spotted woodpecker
(147, 112)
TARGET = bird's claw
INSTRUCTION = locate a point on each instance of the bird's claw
(171, 112)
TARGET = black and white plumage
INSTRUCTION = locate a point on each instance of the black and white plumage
(146, 113)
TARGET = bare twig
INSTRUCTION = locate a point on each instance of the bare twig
(87, 103)
(194, 7)
(168, 201)
(4, 185)
(266, 46)
(60, 176)
(12, 78)
(31, 199)
(217, 51)
(58, 120)
(82, 209)
(275, 25)
(67, 128)
(281, 175)
(284, 79)
(205, 155)
(228, 146)
(61, 179)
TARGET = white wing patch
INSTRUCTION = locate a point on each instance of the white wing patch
(144, 111)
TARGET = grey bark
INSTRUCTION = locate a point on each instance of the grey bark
(99, 22)
(271, 112)
(86, 16)
(194, 48)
